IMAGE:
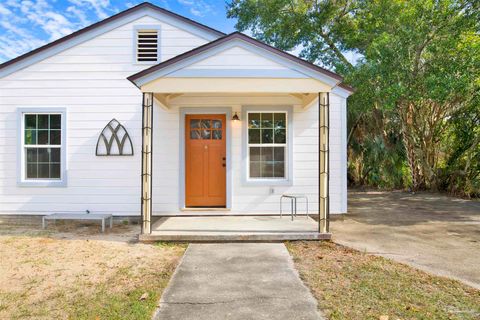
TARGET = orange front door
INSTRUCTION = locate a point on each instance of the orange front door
(205, 160)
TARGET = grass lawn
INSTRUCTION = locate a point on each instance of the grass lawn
(351, 285)
(82, 275)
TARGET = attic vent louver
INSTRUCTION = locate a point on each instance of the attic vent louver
(147, 46)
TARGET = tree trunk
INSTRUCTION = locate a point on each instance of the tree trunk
(415, 172)
(407, 116)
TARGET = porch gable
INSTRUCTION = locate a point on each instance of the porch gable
(236, 56)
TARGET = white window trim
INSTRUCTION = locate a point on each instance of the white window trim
(260, 145)
(21, 180)
(134, 43)
(288, 180)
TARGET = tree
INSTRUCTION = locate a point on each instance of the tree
(419, 63)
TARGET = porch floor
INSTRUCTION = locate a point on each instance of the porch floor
(234, 228)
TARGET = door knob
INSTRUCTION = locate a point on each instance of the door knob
(224, 158)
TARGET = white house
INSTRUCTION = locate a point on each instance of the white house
(150, 113)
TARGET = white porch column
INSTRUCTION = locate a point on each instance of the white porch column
(147, 142)
(323, 162)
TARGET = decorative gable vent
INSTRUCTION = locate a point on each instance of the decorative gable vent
(114, 141)
(147, 46)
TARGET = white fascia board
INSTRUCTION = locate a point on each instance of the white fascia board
(170, 70)
(44, 54)
(344, 93)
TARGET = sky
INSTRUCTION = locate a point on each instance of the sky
(29, 24)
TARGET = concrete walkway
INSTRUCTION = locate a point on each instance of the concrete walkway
(237, 281)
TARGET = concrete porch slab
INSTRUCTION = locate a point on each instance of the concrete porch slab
(234, 228)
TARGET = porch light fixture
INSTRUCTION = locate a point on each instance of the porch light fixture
(236, 117)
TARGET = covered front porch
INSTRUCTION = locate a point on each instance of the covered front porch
(203, 81)
(230, 223)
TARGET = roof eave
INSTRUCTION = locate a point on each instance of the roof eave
(106, 21)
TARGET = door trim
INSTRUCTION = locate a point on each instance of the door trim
(205, 110)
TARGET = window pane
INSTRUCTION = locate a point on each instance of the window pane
(31, 171)
(267, 120)
(43, 155)
(279, 169)
(217, 135)
(55, 137)
(267, 154)
(30, 121)
(267, 169)
(55, 171)
(30, 136)
(195, 123)
(216, 124)
(267, 135)
(55, 155)
(44, 162)
(43, 171)
(206, 134)
(42, 121)
(280, 136)
(255, 169)
(55, 121)
(255, 153)
(195, 134)
(206, 124)
(267, 128)
(279, 154)
(280, 122)
(42, 137)
(253, 135)
(254, 120)
(32, 155)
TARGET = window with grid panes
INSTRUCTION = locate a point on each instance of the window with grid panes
(267, 145)
(205, 129)
(42, 144)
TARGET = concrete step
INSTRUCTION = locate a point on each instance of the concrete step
(233, 237)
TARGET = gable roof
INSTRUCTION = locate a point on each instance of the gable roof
(231, 37)
(142, 6)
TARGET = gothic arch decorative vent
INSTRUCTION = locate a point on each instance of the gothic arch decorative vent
(114, 141)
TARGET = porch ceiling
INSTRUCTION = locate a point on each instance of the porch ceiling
(167, 100)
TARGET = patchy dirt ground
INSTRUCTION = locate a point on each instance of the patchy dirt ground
(349, 284)
(433, 232)
(74, 271)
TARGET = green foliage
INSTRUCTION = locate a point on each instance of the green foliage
(461, 169)
(417, 78)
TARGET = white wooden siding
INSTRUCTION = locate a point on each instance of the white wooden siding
(236, 58)
(90, 81)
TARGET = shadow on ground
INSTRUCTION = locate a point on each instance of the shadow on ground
(402, 208)
(434, 232)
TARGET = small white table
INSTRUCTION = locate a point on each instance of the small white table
(293, 202)
(78, 216)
